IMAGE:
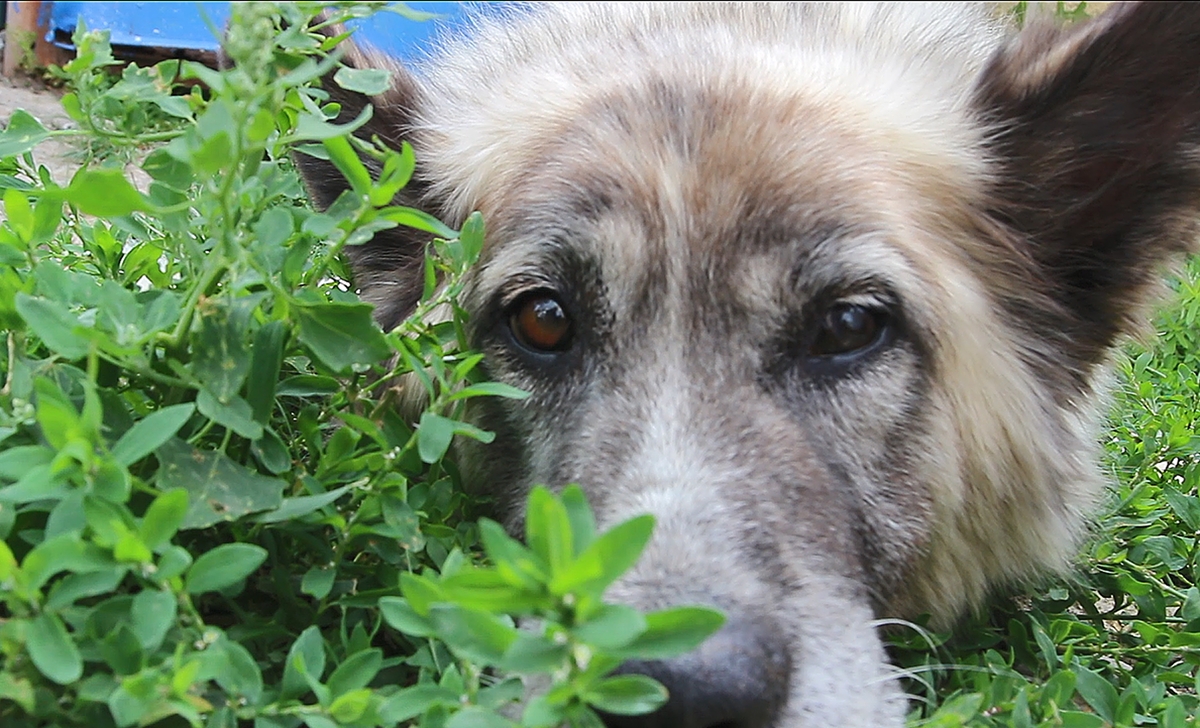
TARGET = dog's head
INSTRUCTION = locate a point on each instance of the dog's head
(830, 292)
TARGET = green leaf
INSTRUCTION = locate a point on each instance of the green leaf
(152, 615)
(67, 590)
(532, 653)
(22, 134)
(52, 650)
(1186, 507)
(627, 695)
(306, 657)
(490, 389)
(66, 552)
(472, 634)
(397, 172)
(19, 690)
(609, 556)
(1175, 714)
(579, 513)
(420, 591)
(163, 518)
(369, 81)
(223, 566)
(1098, 692)
(1079, 719)
(221, 357)
(311, 127)
(418, 220)
(212, 155)
(149, 433)
(271, 453)
(40, 483)
(471, 237)
(404, 524)
(161, 165)
(293, 508)
(47, 215)
(273, 230)
(488, 590)
(413, 701)
(473, 716)
(341, 334)
(16, 462)
(961, 707)
(343, 156)
(434, 434)
(232, 413)
(240, 674)
(548, 530)
(400, 616)
(218, 488)
(19, 213)
(54, 324)
(105, 193)
(318, 581)
(1191, 604)
(611, 627)
(672, 632)
(514, 561)
(265, 364)
(307, 385)
(356, 672)
(350, 706)
(174, 561)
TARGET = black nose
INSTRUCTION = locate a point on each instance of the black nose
(736, 679)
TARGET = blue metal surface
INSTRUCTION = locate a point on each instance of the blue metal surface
(196, 25)
(154, 24)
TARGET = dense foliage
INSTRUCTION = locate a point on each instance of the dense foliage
(212, 510)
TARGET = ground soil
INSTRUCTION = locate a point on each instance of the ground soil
(42, 101)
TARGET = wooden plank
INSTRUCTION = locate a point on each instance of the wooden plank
(25, 35)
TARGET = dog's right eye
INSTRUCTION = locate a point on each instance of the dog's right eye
(848, 328)
(541, 324)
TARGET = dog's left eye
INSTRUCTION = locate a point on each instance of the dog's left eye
(847, 328)
(539, 323)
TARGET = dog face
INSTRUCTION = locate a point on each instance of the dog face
(829, 291)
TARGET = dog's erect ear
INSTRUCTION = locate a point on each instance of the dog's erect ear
(1097, 133)
(389, 268)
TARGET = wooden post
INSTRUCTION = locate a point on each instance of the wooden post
(26, 26)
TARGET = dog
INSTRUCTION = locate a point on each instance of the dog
(831, 291)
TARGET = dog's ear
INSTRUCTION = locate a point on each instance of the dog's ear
(1096, 128)
(389, 268)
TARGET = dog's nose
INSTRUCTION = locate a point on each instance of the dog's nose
(737, 679)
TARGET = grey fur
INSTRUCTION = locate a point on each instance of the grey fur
(700, 186)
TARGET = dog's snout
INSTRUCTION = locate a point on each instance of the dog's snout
(736, 679)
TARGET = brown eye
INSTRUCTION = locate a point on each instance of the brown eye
(540, 323)
(847, 328)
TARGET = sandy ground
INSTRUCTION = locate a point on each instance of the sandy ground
(42, 101)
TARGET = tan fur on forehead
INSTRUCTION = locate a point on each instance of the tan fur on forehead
(906, 71)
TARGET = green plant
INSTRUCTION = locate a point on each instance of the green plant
(212, 510)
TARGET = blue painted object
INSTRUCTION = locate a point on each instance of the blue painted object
(190, 25)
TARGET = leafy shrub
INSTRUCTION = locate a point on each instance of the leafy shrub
(212, 510)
